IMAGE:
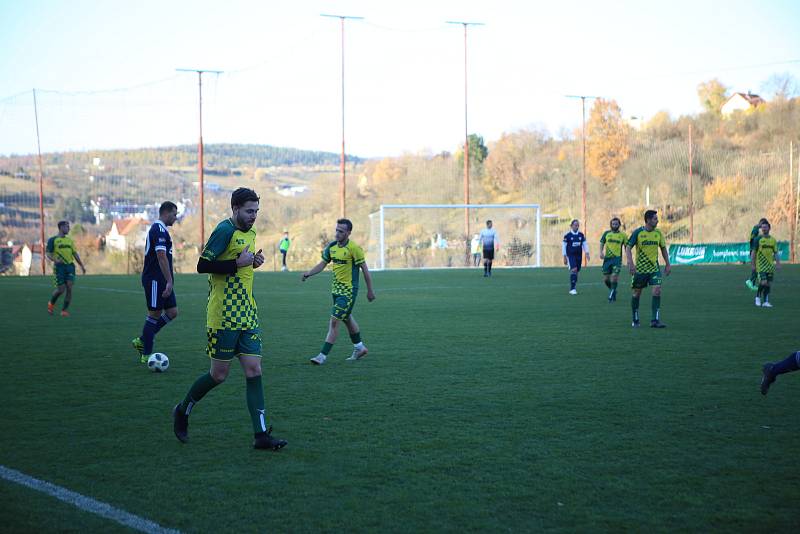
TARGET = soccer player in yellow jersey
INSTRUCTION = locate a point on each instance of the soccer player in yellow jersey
(751, 282)
(612, 243)
(61, 251)
(765, 258)
(232, 317)
(648, 240)
(347, 259)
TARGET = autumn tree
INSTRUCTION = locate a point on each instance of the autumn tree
(712, 95)
(477, 153)
(606, 140)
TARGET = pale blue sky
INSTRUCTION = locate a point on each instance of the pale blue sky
(404, 68)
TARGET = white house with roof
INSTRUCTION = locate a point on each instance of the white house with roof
(741, 102)
(125, 233)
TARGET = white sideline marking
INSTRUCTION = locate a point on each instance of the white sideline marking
(85, 503)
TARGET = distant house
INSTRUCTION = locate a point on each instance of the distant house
(741, 102)
(125, 233)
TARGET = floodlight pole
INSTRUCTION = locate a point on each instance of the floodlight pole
(41, 180)
(200, 151)
(342, 158)
(466, 132)
(583, 163)
(691, 189)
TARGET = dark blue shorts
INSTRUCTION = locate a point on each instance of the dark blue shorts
(152, 293)
(575, 262)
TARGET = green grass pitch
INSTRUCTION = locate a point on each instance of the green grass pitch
(499, 404)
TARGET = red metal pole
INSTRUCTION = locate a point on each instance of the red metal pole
(691, 190)
(583, 167)
(200, 165)
(342, 183)
(466, 146)
(41, 181)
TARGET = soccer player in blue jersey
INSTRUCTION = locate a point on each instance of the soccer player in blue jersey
(491, 242)
(573, 248)
(772, 370)
(157, 280)
(232, 326)
(347, 258)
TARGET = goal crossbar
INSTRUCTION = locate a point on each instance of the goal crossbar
(535, 207)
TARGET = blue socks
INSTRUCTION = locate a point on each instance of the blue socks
(150, 329)
(792, 363)
(573, 279)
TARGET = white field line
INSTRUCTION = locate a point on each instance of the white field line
(85, 503)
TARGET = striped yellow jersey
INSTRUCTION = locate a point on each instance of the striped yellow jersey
(766, 248)
(62, 248)
(614, 241)
(647, 244)
(346, 261)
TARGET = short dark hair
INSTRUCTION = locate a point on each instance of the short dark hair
(573, 221)
(488, 221)
(241, 196)
(62, 223)
(167, 206)
(649, 214)
(762, 221)
(347, 222)
(615, 219)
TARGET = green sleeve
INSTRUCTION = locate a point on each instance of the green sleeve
(634, 237)
(218, 241)
(51, 244)
(326, 253)
(603, 237)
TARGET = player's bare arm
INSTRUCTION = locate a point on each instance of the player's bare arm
(163, 264)
(629, 257)
(667, 266)
(314, 270)
(368, 280)
(258, 259)
(78, 259)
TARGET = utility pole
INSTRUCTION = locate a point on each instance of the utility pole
(41, 180)
(466, 132)
(200, 151)
(342, 158)
(691, 189)
(583, 164)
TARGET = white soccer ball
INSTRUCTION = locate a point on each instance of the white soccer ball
(158, 362)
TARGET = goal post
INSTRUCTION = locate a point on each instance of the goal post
(420, 236)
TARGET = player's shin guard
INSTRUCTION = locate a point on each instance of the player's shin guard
(792, 363)
(765, 292)
(355, 338)
(326, 348)
(655, 307)
(149, 333)
(635, 309)
(201, 386)
(573, 279)
(255, 403)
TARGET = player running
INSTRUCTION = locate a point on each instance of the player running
(648, 240)
(751, 282)
(347, 259)
(61, 251)
(611, 244)
(765, 258)
(573, 248)
(232, 317)
(157, 280)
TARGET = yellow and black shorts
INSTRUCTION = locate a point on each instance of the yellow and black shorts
(226, 344)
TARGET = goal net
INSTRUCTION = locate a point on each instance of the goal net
(418, 236)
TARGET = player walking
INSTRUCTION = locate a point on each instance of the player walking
(765, 258)
(232, 317)
(611, 244)
(752, 281)
(490, 242)
(61, 251)
(573, 248)
(347, 258)
(648, 240)
(772, 370)
(157, 280)
(283, 246)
